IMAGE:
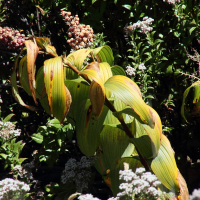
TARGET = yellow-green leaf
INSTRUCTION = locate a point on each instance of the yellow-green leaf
(41, 91)
(32, 52)
(97, 91)
(117, 70)
(104, 54)
(23, 74)
(43, 43)
(164, 166)
(15, 91)
(128, 92)
(79, 90)
(77, 58)
(197, 83)
(115, 144)
(59, 96)
(106, 73)
(88, 129)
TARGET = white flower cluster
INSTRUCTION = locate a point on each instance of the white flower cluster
(13, 189)
(80, 34)
(7, 130)
(78, 172)
(130, 70)
(144, 26)
(25, 171)
(87, 197)
(141, 184)
(195, 195)
(171, 1)
(141, 67)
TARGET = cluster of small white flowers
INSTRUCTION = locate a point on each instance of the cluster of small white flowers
(1, 101)
(141, 67)
(144, 26)
(25, 171)
(195, 195)
(13, 189)
(79, 172)
(130, 70)
(87, 197)
(171, 1)
(142, 184)
(7, 130)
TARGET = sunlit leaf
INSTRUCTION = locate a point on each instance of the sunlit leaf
(32, 52)
(15, 91)
(88, 129)
(8, 118)
(41, 91)
(23, 75)
(43, 43)
(79, 90)
(184, 194)
(128, 91)
(117, 70)
(97, 91)
(104, 54)
(59, 96)
(115, 144)
(197, 83)
(78, 57)
(164, 166)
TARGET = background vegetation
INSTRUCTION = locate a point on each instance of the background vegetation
(170, 48)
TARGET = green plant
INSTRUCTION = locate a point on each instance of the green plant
(9, 148)
(110, 117)
(54, 139)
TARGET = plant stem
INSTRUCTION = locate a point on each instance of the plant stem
(112, 108)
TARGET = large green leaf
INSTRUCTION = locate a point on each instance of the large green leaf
(88, 129)
(117, 70)
(23, 75)
(78, 57)
(40, 90)
(196, 84)
(164, 166)
(97, 91)
(115, 144)
(128, 92)
(59, 97)
(106, 73)
(104, 54)
(142, 141)
(15, 90)
(32, 52)
(79, 90)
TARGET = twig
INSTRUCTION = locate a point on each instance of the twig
(191, 76)
(38, 22)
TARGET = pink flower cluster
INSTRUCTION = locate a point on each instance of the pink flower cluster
(11, 39)
(80, 35)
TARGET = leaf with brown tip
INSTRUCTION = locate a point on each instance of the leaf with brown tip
(97, 91)
(32, 52)
(184, 194)
(59, 97)
(15, 91)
